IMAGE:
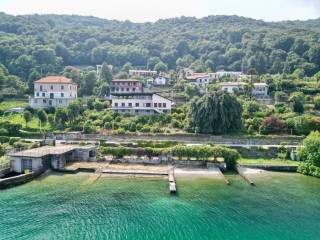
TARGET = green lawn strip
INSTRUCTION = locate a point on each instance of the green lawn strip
(275, 162)
(7, 105)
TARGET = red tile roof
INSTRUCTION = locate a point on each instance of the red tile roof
(54, 79)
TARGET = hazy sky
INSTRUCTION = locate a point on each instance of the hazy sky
(151, 10)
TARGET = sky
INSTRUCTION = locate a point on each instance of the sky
(152, 10)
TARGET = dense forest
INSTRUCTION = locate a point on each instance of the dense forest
(36, 45)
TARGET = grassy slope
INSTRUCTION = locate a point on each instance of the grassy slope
(6, 105)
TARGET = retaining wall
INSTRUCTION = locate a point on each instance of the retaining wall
(20, 179)
(282, 168)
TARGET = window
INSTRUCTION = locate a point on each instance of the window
(133, 89)
(62, 87)
(26, 164)
(38, 94)
(164, 105)
(43, 94)
(116, 104)
(148, 104)
(51, 87)
(128, 89)
(155, 105)
(123, 104)
(62, 94)
(159, 105)
(130, 104)
(137, 104)
(44, 101)
(41, 88)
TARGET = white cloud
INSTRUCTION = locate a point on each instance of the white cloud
(151, 10)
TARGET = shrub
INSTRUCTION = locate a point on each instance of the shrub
(271, 124)
(310, 153)
(89, 128)
(146, 128)
(13, 140)
(120, 131)
(176, 124)
(118, 152)
(1, 150)
(13, 129)
(4, 139)
(317, 103)
(3, 132)
(303, 125)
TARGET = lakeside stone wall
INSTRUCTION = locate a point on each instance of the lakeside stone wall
(188, 137)
(20, 179)
(257, 152)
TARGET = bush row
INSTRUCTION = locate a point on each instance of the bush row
(203, 152)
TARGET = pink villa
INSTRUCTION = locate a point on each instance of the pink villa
(53, 91)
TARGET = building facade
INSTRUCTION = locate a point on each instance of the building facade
(55, 157)
(259, 89)
(53, 91)
(202, 80)
(126, 86)
(142, 73)
(140, 104)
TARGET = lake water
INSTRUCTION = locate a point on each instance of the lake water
(280, 206)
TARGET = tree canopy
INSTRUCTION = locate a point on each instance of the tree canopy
(215, 113)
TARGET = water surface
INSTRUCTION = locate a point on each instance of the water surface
(280, 207)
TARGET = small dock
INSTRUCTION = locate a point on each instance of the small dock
(223, 176)
(172, 181)
(241, 172)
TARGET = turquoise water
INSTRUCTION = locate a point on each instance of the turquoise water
(281, 206)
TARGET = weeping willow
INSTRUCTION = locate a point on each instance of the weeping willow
(215, 113)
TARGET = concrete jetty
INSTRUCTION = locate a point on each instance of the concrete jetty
(241, 172)
(223, 176)
(172, 181)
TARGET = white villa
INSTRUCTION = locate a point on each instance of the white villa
(53, 91)
(140, 103)
(259, 89)
(142, 73)
(230, 74)
(202, 80)
(160, 81)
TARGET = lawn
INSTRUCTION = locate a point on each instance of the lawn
(6, 105)
(33, 125)
(275, 162)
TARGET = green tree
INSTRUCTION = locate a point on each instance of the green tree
(73, 111)
(192, 90)
(33, 76)
(105, 74)
(42, 115)
(61, 117)
(161, 67)
(297, 100)
(90, 81)
(217, 112)
(152, 62)
(310, 154)
(27, 117)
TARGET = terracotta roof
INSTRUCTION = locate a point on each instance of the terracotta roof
(54, 79)
(125, 80)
